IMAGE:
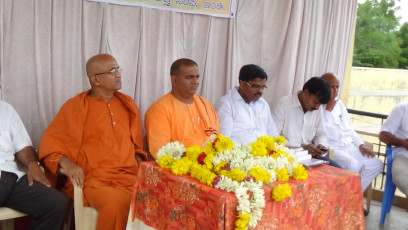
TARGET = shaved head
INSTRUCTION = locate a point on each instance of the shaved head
(329, 77)
(97, 63)
(334, 84)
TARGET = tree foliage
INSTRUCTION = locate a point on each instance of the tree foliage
(376, 41)
(403, 36)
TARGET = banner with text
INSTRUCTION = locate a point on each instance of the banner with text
(217, 8)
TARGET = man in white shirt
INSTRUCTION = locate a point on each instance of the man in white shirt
(395, 132)
(243, 114)
(348, 149)
(299, 120)
(28, 193)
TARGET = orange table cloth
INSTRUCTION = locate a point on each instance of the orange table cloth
(331, 198)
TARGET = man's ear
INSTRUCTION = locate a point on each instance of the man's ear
(94, 80)
(241, 84)
(173, 79)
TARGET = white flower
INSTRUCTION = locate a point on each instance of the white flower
(173, 149)
(240, 157)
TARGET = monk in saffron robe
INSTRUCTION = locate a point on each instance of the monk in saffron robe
(96, 139)
(180, 115)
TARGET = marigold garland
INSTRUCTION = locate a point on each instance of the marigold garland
(281, 192)
(241, 169)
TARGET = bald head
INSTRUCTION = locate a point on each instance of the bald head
(334, 84)
(329, 76)
(97, 63)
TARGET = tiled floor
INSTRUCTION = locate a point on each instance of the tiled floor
(397, 219)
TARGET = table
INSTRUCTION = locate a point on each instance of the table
(330, 198)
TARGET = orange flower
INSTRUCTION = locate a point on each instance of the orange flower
(297, 211)
(154, 204)
(190, 224)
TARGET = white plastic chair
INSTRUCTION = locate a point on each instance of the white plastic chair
(7, 216)
(85, 217)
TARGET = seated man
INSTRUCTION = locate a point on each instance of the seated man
(349, 150)
(180, 115)
(300, 121)
(244, 115)
(28, 193)
(96, 139)
(395, 132)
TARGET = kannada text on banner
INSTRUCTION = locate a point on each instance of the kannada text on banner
(217, 8)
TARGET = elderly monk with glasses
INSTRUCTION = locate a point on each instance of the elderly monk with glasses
(180, 115)
(244, 115)
(96, 139)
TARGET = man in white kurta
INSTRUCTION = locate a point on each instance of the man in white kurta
(348, 149)
(26, 191)
(300, 121)
(243, 114)
(395, 132)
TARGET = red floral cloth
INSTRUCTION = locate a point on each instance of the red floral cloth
(330, 198)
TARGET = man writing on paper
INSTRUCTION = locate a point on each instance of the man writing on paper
(96, 139)
(180, 115)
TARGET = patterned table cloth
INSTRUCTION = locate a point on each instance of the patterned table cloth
(330, 198)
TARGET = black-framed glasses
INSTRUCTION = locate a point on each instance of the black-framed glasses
(255, 86)
(113, 71)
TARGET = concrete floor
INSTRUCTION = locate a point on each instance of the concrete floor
(397, 219)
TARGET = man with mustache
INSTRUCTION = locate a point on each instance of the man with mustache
(96, 139)
(244, 115)
(180, 115)
(300, 121)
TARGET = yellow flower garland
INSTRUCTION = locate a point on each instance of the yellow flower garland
(200, 163)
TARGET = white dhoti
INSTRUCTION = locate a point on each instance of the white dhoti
(350, 158)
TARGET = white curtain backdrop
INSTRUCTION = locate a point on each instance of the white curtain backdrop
(44, 46)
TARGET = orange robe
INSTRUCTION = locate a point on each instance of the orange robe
(102, 138)
(169, 119)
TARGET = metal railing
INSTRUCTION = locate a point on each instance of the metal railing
(368, 126)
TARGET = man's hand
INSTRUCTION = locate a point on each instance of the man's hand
(35, 173)
(28, 157)
(315, 151)
(72, 171)
(365, 151)
(404, 143)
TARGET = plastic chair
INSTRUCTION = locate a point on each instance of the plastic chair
(7, 216)
(389, 191)
(369, 189)
(85, 217)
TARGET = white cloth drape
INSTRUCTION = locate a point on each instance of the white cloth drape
(44, 46)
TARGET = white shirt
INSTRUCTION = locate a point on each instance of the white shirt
(397, 125)
(244, 122)
(13, 138)
(339, 129)
(296, 126)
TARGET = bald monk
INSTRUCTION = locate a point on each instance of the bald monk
(96, 139)
(180, 115)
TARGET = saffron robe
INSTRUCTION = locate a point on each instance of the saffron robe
(169, 119)
(104, 161)
(102, 138)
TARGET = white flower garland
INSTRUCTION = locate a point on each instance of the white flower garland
(240, 157)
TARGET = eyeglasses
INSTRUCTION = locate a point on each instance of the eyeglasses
(256, 87)
(112, 72)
